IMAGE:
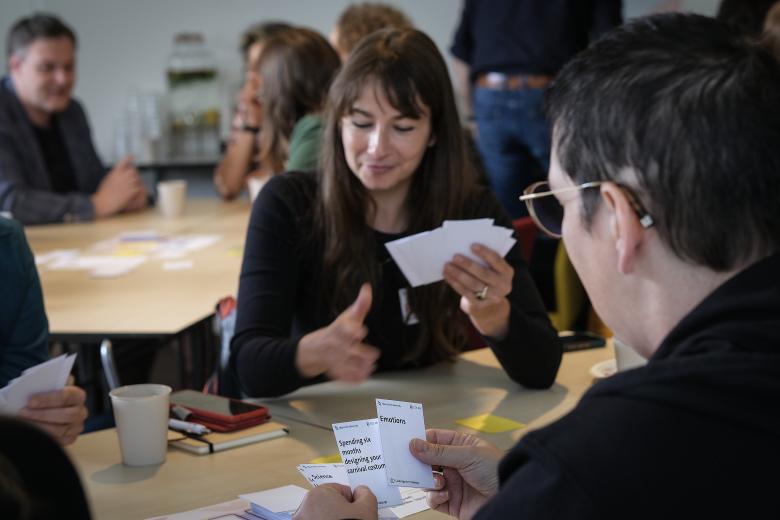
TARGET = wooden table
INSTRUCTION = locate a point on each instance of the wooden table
(474, 385)
(148, 300)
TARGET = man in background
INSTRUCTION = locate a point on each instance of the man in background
(506, 53)
(49, 169)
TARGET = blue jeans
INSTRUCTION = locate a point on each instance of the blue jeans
(513, 141)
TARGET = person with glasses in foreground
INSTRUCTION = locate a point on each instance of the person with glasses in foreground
(319, 295)
(665, 186)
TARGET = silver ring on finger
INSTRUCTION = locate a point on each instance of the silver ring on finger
(481, 294)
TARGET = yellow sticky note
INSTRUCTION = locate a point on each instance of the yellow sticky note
(327, 459)
(489, 423)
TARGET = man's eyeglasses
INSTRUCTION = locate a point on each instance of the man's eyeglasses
(547, 212)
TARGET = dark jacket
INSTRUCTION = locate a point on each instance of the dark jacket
(693, 434)
(24, 331)
(529, 36)
(25, 188)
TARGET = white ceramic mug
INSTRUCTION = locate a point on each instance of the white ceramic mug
(141, 414)
(172, 197)
(255, 184)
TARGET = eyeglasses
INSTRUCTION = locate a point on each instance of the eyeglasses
(547, 212)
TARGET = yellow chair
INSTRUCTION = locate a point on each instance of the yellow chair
(570, 297)
(596, 325)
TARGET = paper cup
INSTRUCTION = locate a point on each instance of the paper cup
(141, 414)
(626, 357)
(255, 184)
(172, 197)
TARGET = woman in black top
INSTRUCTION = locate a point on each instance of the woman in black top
(320, 298)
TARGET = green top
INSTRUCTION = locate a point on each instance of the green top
(305, 144)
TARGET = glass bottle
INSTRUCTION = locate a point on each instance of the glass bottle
(194, 97)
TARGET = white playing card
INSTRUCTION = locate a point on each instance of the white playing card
(48, 376)
(318, 474)
(361, 450)
(421, 257)
(399, 423)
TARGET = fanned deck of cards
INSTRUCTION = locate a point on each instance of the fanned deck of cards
(49, 376)
(421, 257)
(376, 452)
(414, 500)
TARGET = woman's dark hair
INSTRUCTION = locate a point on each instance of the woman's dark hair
(258, 33)
(296, 68)
(406, 65)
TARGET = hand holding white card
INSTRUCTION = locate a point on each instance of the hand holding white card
(361, 450)
(48, 376)
(399, 423)
(414, 500)
(318, 474)
(422, 257)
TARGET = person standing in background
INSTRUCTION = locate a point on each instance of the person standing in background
(505, 53)
(241, 157)
(49, 169)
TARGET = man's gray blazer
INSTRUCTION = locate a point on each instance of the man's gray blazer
(25, 188)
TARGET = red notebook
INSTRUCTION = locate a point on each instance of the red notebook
(220, 413)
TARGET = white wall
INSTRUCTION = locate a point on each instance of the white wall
(124, 44)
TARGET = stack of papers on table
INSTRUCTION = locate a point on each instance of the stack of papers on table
(276, 504)
(48, 376)
(421, 257)
(122, 254)
(99, 266)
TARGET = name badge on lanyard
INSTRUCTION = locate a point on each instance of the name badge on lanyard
(408, 317)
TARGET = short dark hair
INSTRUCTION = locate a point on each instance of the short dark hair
(686, 112)
(38, 26)
(260, 32)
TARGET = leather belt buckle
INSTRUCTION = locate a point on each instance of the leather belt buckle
(501, 81)
(537, 81)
